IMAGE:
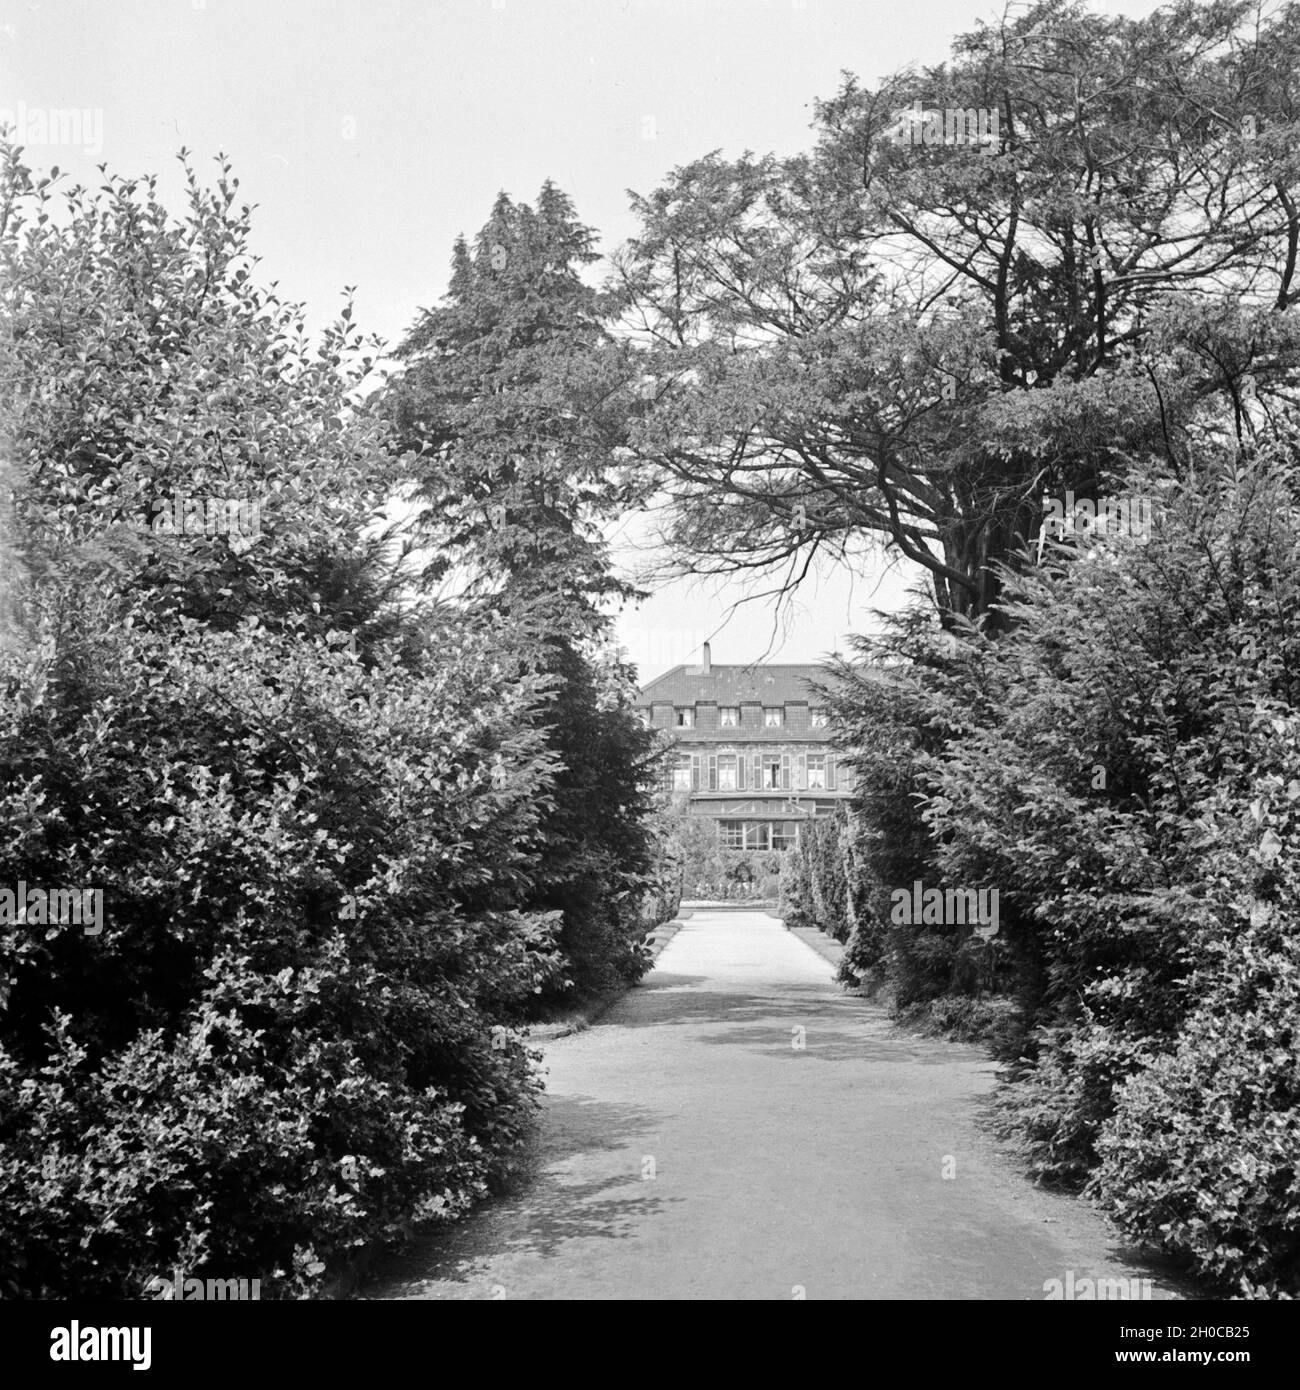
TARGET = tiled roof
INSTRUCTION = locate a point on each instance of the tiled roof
(734, 685)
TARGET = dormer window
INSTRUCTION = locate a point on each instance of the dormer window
(684, 717)
(772, 718)
(817, 719)
(728, 717)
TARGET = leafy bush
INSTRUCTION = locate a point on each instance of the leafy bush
(290, 1037)
(1200, 1153)
(151, 370)
(714, 873)
(345, 839)
(893, 709)
(601, 872)
(1104, 790)
(1120, 764)
(820, 877)
(967, 1018)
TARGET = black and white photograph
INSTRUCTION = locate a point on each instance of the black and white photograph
(649, 652)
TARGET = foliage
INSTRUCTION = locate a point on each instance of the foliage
(711, 872)
(820, 877)
(1199, 1155)
(907, 341)
(1120, 766)
(150, 370)
(341, 849)
(504, 402)
(290, 1036)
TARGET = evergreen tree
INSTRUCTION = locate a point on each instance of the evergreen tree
(508, 401)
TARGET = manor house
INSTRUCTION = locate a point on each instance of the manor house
(753, 748)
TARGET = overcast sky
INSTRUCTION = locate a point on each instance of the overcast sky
(370, 134)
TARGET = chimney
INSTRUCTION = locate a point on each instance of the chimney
(707, 659)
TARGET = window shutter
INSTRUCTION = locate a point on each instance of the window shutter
(830, 773)
(713, 772)
(695, 772)
(801, 773)
(740, 772)
(785, 772)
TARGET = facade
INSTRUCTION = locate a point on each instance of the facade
(753, 748)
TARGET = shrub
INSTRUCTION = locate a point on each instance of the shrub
(1200, 1154)
(1121, 764)
(994, 1022)
(601, 868)
(345, 838)
(889, 711)
(291, 1037)
(820, 877)
(709, 871)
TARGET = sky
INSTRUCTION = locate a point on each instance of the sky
(369, 134)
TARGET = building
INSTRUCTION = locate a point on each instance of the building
(753, 748)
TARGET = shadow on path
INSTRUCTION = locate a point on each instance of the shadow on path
(542, 1210)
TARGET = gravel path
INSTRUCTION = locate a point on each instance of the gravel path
(735, 1127)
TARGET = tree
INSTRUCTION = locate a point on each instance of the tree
(505, 398)
(172, 428)
(508, 405)
(257, 1008)
(907, 336)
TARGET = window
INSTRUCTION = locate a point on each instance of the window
(643, 715)
(726, 772)
(728, 717)
(775, 772)
(816, 771)
(758, 835)
(817, 719)
(731, 833)
(684, 717)
(772, 718)
(785, 834)
(682, 776)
